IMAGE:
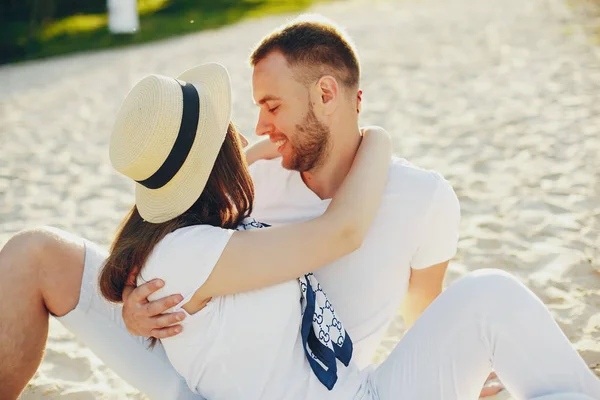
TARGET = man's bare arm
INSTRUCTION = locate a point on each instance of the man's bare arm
(424, 286)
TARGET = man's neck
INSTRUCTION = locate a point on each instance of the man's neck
(325, 179)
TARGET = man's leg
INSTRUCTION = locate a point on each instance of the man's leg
(50, 271)
(485, 320)
(40, 272)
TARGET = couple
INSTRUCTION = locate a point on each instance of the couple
(376, 231)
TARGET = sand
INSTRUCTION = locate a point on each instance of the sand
(500, 97)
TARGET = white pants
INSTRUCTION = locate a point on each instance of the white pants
(485, 320)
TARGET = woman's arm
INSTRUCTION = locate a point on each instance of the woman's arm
(261, 150)
(259, 258)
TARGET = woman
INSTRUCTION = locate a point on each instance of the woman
(255, 330)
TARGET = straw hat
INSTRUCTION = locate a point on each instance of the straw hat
(167, 135)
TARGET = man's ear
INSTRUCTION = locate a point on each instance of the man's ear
(328, 92)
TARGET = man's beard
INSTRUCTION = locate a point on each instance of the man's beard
(312, 146)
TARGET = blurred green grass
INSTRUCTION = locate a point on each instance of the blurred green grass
(589, 13)
(159, 19)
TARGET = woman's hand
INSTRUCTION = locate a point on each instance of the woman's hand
(267, 150)
(374, 129)
(262, 150)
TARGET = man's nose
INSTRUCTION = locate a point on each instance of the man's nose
(263, 126)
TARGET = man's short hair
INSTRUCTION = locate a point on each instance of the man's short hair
(317, 46)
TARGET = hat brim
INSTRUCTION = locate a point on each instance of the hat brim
(214, 90)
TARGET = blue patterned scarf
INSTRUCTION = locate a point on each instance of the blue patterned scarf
(323, 335)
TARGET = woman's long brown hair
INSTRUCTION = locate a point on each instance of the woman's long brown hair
(226, 200)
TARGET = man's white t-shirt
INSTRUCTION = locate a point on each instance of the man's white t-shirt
(416, 226)
(249, 344)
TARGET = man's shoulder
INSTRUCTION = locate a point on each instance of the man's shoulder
(405, 177)
(427, 199)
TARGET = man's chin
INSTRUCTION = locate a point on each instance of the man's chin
(288, 164)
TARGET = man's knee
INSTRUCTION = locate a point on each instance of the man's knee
(492, 276)
(491, 284)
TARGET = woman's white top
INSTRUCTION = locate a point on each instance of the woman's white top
(242, 346)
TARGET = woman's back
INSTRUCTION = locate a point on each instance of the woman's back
(245, 345)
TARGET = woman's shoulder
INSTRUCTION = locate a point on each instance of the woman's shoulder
(198, 247)
(190, 236)
(192, 232)
(199, 236)
(250, 223)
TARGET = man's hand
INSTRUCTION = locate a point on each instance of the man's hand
(144, 318)
(491, 387)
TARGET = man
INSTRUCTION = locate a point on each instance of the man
(305, 82)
